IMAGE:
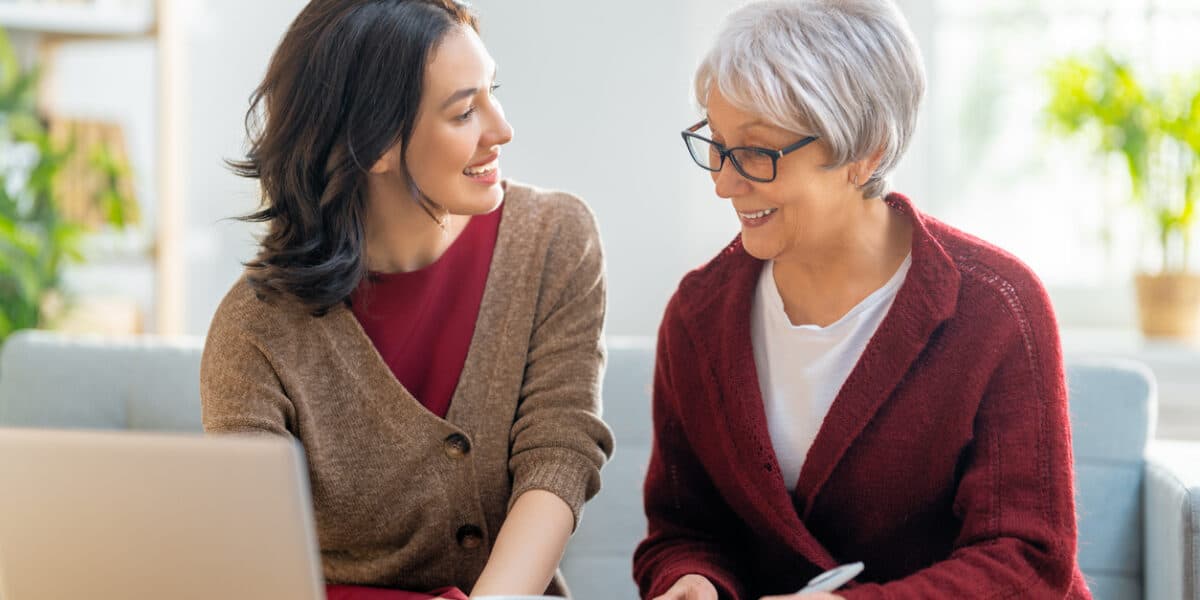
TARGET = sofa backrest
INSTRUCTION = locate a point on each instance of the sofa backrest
(57, 381)
(598, 564)
(50, 380)
(1113, 410)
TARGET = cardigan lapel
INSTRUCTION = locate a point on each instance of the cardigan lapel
(927, 298)
(747, 443)
(496, 310)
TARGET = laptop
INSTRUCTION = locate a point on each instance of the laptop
(133, 516)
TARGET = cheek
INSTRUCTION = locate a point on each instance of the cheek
(444, 142)
(452, 147)
(809, 191)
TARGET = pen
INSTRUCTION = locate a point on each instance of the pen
(833, 579)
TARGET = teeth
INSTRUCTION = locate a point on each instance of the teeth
(757, 215)
(483, 169)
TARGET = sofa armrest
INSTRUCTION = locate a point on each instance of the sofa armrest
(1172, 520)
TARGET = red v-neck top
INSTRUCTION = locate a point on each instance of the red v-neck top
(422, 321)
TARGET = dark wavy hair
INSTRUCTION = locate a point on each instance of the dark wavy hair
(342, 88)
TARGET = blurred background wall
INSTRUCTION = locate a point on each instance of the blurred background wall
(597, 93)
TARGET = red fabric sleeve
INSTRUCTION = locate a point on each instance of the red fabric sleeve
(1015, 499)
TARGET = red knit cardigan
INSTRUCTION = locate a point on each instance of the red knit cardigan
(944, 463)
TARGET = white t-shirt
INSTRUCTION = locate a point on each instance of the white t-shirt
(802, 368)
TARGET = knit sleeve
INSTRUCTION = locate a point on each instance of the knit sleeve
(240, 391)
(559, 442)
(689, 526)
(1015, 498)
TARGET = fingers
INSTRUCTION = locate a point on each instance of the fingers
(690, 587)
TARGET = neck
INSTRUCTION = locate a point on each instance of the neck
(400, 234)
(821, 280)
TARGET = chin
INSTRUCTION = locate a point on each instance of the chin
(756, 246)
(494, 197)
(477, 202)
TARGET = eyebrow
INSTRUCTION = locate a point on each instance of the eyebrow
(752, 124)
(465, 92)
(743, 126)
(459, 95)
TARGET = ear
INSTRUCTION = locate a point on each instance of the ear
(390, 161)
(862, 170)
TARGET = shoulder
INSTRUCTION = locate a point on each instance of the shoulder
(243, 314)
(533, 207)
(995, 285)
(719, 282)
(550, 232)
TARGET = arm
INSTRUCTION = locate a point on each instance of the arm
(689, 523)
(1015, 497)
(240, 391)
(559, 443)
(529, 546)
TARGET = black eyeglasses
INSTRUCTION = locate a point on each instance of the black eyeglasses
(752, 162)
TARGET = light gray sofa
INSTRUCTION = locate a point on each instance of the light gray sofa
(1139, 500)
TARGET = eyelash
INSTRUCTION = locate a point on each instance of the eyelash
(471, 111)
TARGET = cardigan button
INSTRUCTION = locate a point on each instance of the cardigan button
(469, 537)
(457, 446)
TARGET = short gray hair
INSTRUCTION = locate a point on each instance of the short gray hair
(848, 71)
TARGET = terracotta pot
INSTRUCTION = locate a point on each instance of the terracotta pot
(1169, 305)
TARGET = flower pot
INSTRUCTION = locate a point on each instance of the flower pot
(1169, 305)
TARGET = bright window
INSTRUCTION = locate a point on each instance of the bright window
(998, 174)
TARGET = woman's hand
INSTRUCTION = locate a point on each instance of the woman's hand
(808, 596)
(691, 587)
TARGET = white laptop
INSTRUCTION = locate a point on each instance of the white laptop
(133, 516)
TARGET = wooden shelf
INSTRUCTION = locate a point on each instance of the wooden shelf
(76, 19)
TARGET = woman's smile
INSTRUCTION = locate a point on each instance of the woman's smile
(756, 218)
(487, 172)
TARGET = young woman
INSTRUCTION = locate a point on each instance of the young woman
(428, 331)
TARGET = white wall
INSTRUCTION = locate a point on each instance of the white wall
(225, 52)
(598, 93)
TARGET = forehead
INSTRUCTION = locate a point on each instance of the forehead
(728, 118)
(459, 61)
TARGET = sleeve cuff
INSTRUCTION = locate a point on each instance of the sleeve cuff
(560, 471)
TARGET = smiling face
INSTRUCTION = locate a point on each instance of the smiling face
(807, 206)
(454, 152)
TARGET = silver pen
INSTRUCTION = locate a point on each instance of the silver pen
(833, 579)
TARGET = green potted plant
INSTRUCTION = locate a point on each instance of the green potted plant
(1156, 134)
(36, 239)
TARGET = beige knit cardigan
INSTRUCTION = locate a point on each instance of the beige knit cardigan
(403, 498)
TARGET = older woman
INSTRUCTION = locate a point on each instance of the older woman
(850, 379)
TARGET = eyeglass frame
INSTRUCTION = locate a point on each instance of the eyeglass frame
(723, 152)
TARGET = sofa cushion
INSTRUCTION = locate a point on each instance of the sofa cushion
(57, 381)
(1112, 419)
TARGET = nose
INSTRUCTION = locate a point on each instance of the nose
(499, 131)
(729, 182)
